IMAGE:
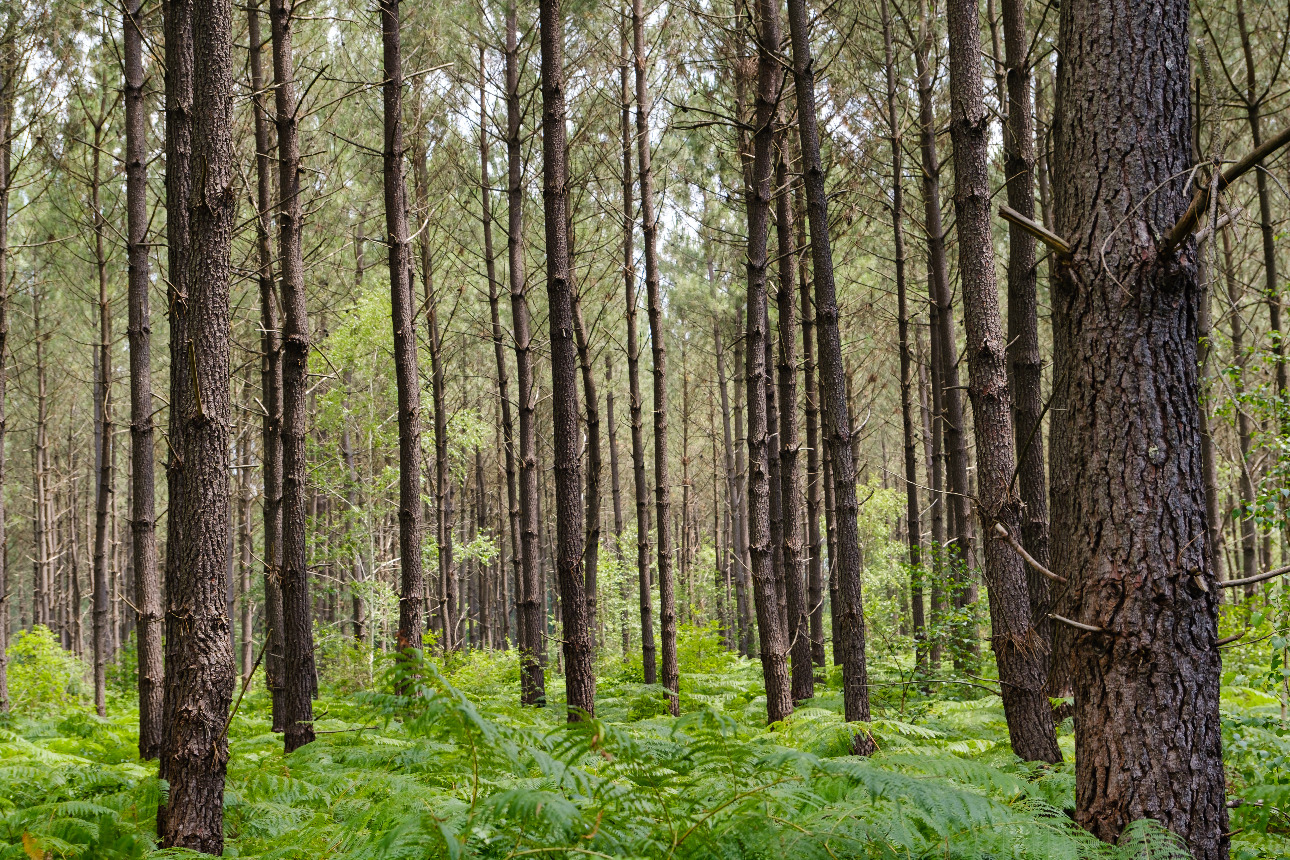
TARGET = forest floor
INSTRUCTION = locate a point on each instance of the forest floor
(458, 769)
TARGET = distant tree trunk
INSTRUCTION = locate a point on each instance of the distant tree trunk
(814, 575)
(845, 555)
(104, 455)
(649, 657)
(147, 588)
(529, 616)
(270, 378)
(297, 640)
(929, 398)
(579, 678)
(790, 477)
(245, 497)
(945, 347)
(1025, 362)
(1244, 424)
(912, 511)
(1018, 650)
(737, 548)
(1129, 529)
(658, 338)
(199, 659)
(499, 355)
(616, 489)
(591, 543)
(40, 520)
(773, 639)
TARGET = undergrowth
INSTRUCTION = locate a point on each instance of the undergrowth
(456, 769)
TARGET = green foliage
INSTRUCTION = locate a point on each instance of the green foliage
(41, 674)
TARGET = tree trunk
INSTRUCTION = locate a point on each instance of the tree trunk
(1025, 362)
(1244, 424)
(743, 564)
(658, 337)
(1018, 650)
(735, 501)
(529, 617)
(245, 497)
(790, 479)
(147, 588)
(849, 606)
(912, 511)
(8, 96)
(579, 678)
(814, 571)
(104, 453)
(929, 399)
(297, 639)
(591, 543)
(1130, 534)
(270, 378)
(199, 659)
(616, 489)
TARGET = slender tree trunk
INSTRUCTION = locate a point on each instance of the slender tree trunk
(407, 377)
(1025, 362)
(199, 659)
(245, 496)
(733, 498)
(929, 399)
(790, 478)
(104, 456)
(297, 639)
(616, 489)
(743, 564)
(849, 606)
(912, 511)
(579, 678)
(8, 95)
(147, 588)
(1018, 649)
(658, 337)
(1244, 425)
(1130, 533)
(814, 574)
(591, 543)
(529, 616)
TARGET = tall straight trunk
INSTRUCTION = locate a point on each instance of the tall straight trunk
(849, 606)
(743, 564)
(912, 511)
(495, 318)
(944, 338)
(40, 520)
(929, 398)
(658, 337)
(529, 616)
(771, 633)
(1244, 425)
(104, 454)
(147, 587)
(579, 677)
(1130, 534)
(1018, 650)
(776, 489)
(199, 658)
(815, 544)
(438, 391)
(8, 95)
(297, 633)
(616, 490)
(790, 475)
(591, 542)
(649, 654)
(270, 376)
(734, 501)
(245, 498)
(403, 317)
(1272, 285)
(1025, 361)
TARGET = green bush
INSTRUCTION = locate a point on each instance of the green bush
(41, 673)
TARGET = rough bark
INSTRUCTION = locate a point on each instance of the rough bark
(147, 587)
(849, 606)
(579, 677)
(1017, 647)
(529, 616)
(199, 659)
(8, 94)
(1130, 534)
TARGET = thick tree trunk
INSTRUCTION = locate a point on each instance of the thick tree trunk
(1025, 362)
(199, 659)
(849, 605)
(270, 377)
(1130, 533)
(658, 337)
(147, 588)
(1018, 649)
(297, 638)
(579, 678)
(912, 511)
(529, 616)
(771, 633)
(790, 478)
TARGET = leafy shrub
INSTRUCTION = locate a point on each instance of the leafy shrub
(41, 674)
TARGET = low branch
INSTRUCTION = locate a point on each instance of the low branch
(1030, 559)
(1250, 580)
(1222, 221)
(1076, 624)
(1200, 202)
(1228, 640)
(1034, 228)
